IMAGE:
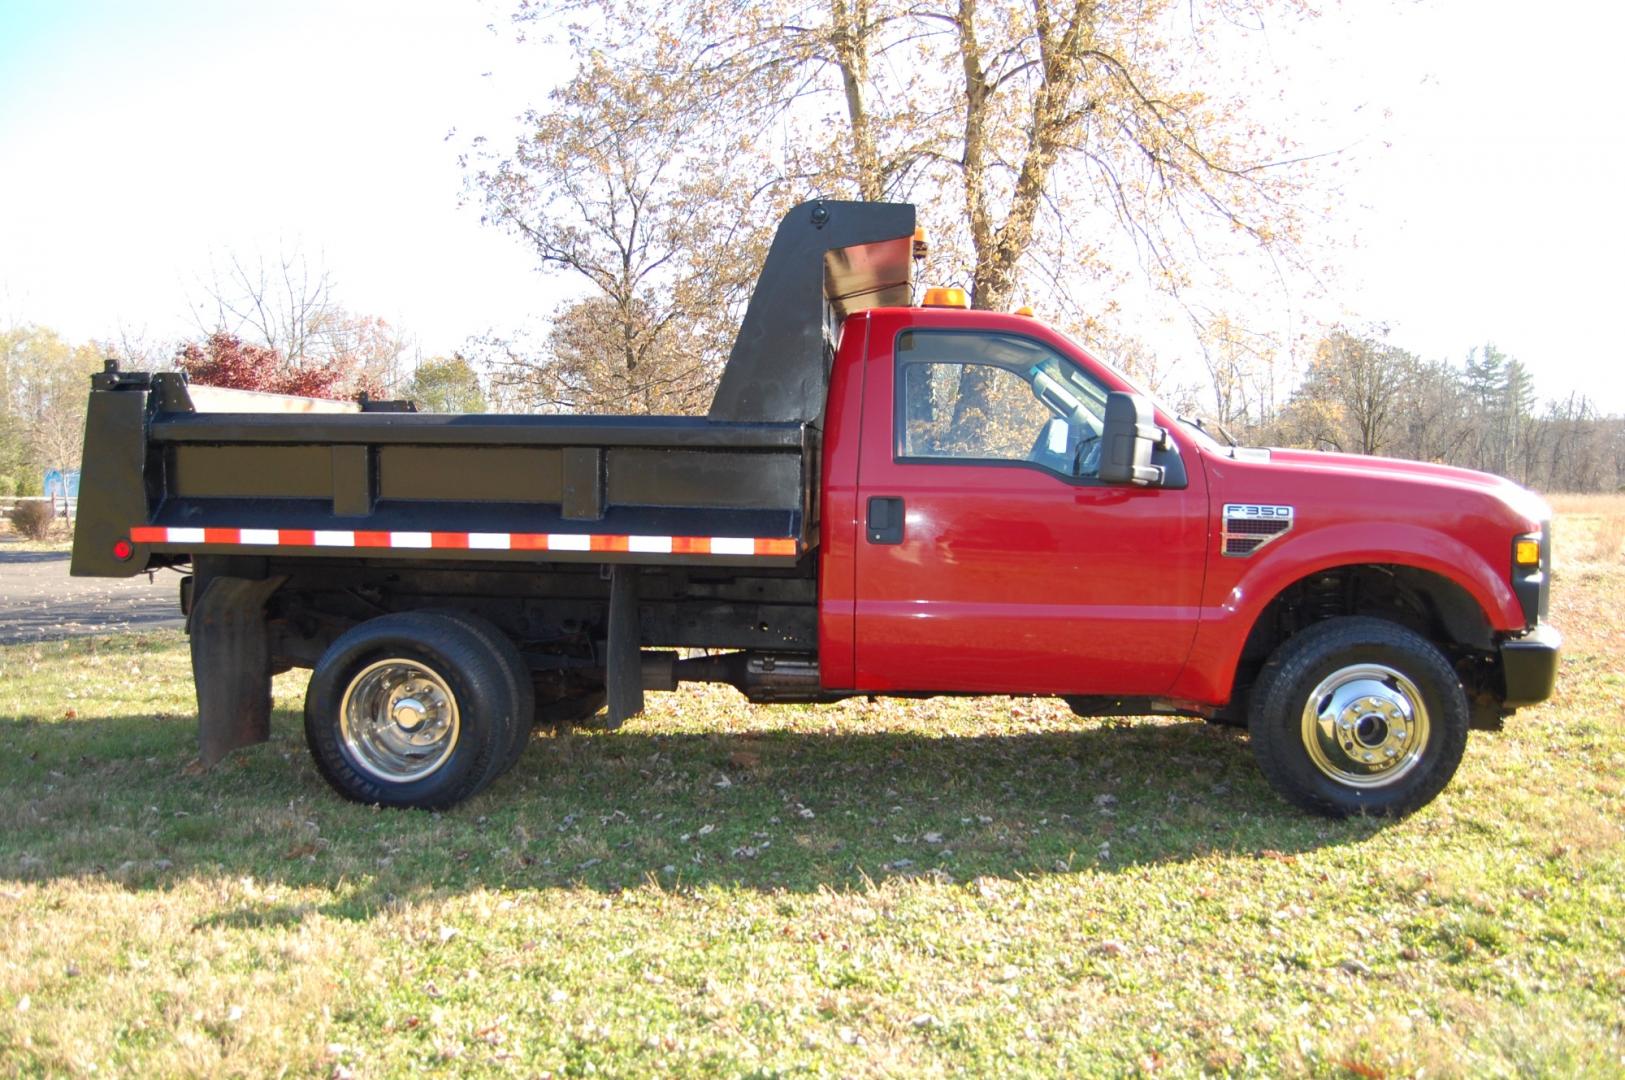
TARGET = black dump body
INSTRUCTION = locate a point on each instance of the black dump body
(583, 540)
(393, 485)
(165, 481)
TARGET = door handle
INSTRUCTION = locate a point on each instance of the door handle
(885, 520)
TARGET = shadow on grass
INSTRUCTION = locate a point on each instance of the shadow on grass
(767, 809)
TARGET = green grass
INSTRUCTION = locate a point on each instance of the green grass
(978, 886)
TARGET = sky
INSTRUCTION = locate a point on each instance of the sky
(143, 144)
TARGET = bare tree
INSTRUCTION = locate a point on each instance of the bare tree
(1023, 120)
(618, 185)
(281, 303)
(603, 358)
(1241, 369)
(289, 306)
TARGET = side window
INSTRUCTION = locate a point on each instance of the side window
(971, 411)
(967, 397)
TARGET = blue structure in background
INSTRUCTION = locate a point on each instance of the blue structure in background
(60, 484)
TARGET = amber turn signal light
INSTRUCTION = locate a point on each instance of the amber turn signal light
(1526, 551)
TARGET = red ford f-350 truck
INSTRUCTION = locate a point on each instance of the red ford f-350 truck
(885, 498)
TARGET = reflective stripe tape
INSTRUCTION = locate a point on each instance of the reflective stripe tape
(774, 545)
(754, 546)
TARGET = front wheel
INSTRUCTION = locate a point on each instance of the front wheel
(1358, 716)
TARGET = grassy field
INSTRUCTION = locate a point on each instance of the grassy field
(985, 887)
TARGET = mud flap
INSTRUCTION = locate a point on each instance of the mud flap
(231, 665)
(623, 663)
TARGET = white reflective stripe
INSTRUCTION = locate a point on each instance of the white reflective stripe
(335, 539)
(568, 542)
(660, 545)
(490, 541)
(409, 539)
(267, 537)
(733, 545)
(186, 536)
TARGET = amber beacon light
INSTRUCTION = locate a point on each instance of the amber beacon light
(945, 297)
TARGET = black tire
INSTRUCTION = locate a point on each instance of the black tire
(470, 694)
(1380, 688)
(518, 673)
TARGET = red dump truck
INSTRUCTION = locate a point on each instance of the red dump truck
(887, 497)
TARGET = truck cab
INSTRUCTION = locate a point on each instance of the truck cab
(978, 540)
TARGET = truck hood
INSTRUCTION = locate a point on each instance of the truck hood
(1357, 467)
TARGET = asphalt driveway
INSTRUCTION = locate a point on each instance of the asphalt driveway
(40, 602)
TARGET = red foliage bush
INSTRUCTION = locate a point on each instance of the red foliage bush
(226, 360)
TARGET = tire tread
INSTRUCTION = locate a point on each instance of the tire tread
(1274, 709)
(468, 660)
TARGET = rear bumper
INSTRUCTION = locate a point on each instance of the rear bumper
(1529, 666)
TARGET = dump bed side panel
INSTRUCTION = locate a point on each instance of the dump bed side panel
(396, 485)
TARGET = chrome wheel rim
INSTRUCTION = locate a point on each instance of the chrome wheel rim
(398, 721)
(1365, 725)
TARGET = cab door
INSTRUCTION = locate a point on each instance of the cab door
(990, 557)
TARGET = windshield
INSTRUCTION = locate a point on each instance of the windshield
(1134, 384)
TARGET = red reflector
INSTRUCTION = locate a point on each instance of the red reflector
(123, 550)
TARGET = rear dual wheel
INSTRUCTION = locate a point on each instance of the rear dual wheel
(417, 709)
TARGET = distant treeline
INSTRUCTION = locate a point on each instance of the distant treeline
(1362, 395)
